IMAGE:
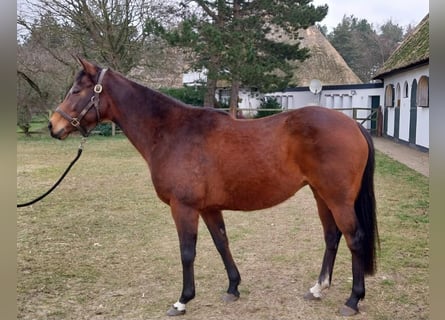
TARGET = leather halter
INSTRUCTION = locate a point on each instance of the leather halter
(94, 102)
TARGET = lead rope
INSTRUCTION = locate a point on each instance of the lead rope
(79, 152)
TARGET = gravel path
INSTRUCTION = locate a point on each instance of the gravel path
(414, 159)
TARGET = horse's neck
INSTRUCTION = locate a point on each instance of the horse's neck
(140, 112)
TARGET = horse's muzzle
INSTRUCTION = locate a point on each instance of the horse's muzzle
(57, 135)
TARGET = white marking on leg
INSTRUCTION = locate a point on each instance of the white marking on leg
(179, 306)
(318, 288)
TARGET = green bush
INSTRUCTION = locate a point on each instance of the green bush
(268, 106)
(190, 95)
(104, 129)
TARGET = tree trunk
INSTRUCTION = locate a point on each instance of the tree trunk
(233, 103)
(209, 97)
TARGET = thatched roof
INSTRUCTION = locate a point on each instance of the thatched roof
(324, 64)
(413, 51)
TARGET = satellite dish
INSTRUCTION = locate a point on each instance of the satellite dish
(315, 86)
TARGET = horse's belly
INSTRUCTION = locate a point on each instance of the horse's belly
(260, 195)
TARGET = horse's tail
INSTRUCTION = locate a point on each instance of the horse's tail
(365, 209)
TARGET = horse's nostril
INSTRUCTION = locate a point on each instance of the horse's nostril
(50, 125)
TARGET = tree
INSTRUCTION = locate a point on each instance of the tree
(351, 38)
(389, 38)
(43, 76)
(107, 31)
(362, 47)
(323, 29)
(232, 41)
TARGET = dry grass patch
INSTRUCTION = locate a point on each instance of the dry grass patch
(102, 246)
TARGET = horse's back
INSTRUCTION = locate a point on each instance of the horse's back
(319, 129)
(316, 122)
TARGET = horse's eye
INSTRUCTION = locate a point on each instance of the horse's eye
(75, 91)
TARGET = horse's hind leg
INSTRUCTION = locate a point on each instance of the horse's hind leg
(345, 218)
(215, 223)
(354, 238)
(332, 237)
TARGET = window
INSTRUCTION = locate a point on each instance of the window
(338, 100)
(224, 96)
(423, 92)
(329, 101)
(347, 101)
(405, 89)
(389, 96)
(398, 95)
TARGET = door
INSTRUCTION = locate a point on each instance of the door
(385, 122)
(389, 103)
(375, 103)
(396, 121)
(413, 113)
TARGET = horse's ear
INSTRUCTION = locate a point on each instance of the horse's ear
(87, 66)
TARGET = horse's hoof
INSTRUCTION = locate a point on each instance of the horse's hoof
(173, 312)
(346, 311)
(229, 297)
(310, 296)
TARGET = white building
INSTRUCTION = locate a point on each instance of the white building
(358, 101)
(406, 83)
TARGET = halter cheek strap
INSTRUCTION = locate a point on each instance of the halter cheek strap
(94, 102)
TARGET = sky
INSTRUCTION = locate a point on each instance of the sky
(376, 12)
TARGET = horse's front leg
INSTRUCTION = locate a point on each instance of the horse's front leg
(186, 221)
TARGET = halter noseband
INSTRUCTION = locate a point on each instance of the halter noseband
(94, 102)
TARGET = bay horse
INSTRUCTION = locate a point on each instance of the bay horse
(203, 161)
